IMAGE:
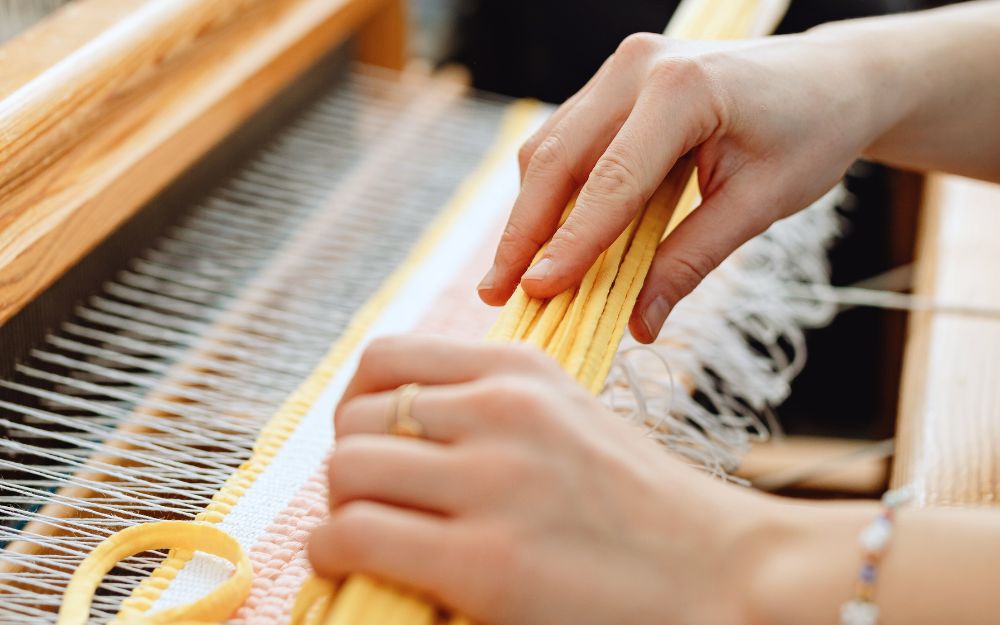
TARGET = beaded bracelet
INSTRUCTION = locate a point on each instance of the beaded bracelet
(874, 539)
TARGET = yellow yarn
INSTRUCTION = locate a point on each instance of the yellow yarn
(581, 328)
(187, 535)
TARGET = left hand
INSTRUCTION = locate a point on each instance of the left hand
(527, 502)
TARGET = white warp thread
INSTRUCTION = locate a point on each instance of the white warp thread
(730, 350)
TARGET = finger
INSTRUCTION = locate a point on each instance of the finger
(405, 547)
(670, 117)
(389, 362)
(398, 471)
(528, 149)
(724, 221)
(446, 413)
(557, 168)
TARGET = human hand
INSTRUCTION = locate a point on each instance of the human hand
(527, 502)
(772, 124)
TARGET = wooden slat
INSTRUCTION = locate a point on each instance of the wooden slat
(804, 463)
(144, 134)
(949, 421)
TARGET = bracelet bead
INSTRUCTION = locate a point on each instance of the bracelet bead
(874, 541)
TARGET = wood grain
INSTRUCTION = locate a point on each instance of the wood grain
(948, 436)
(28, 55)
(57, 204)
(67, 101)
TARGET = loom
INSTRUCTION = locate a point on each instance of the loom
(210, 207)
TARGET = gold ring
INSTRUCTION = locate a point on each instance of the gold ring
(400, 421)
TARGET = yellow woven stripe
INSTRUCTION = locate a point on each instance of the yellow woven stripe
(279, 428)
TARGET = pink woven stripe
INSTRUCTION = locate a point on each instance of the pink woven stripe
(279, 557)
(460, 312)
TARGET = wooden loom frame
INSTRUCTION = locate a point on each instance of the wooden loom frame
(112, 99)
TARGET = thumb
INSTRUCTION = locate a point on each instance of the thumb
(724, 221)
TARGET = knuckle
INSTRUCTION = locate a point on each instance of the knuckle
(377, 351)
(551, 154)
(342, 465)
(690, 267)
(525, 152)
(517, 405)
(525, 356)
(517, 242)
(579, 238)
(638, 45)
(615, 179)
(499, 554)
(502, 473)
(679, 72)
(345, 415)
(350, 532)
(494, 392)
(695, 77)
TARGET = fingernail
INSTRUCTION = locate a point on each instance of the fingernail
(654, 315)
(488, 280)
(540, 270)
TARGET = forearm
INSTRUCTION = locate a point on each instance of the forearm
(933, 83)
(941, 566)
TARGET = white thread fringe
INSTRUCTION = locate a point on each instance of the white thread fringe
(730, 350)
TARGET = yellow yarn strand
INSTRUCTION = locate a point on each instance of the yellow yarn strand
(631, 276)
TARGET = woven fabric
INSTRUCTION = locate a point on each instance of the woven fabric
(273, 516)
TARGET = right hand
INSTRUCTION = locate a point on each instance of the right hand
(773, 124)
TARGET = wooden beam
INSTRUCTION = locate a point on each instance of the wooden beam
(60, 34)
(948, 432)
(62, 197)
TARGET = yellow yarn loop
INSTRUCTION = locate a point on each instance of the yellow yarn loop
(193, 536)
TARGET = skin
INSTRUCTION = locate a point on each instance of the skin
(916, 91)
(527, 502)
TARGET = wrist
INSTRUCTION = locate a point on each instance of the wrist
(805, 562)
(868, 68)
